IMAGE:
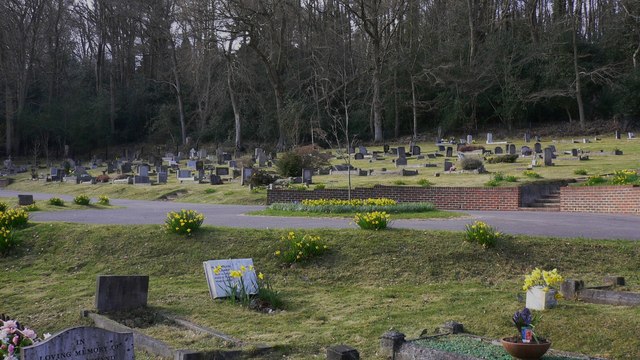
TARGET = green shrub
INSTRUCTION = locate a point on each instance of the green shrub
(184, 222)
(31, 207)
(425, 183)
(595, 180)
(3, 206)
(510, 178)
(56, 201)
(352, 208)
(8, 241)
(261, 178)
(376, 220)
(103, 200)
(296, 248)
(580, 172)
(498, 176)
(466, 148)
(470, 163)
(399, 182)
(624, 177)
(290, 164)
(482, 234)
(209, 191)
(492, 183)
(319, 187)
(502, 159)
(531, 174)
(82, 200)
(14, 218)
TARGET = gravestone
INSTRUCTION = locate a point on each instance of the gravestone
(447, 165)
(199, 165)
(162, 177)
(262, 159)
(24, 200)
(385, 148)
(222, 171)
(233, 164)
(441, 148)
(497, 150)
(617, 134)
(512, 149)
(307, 176)
(537, 148)
(143, 170)
(247, 172)
(121, 293)
(431, 156)
(548, 156)
(202, 154)
(141, 180)
(362, 150)
(226, 156)
(215, 179)
(220, 160)
(111, 168)
(184, 174)
(489, 138)
(406, 172)
(401, 152)
(574, 152)
(80, 170)
(221, 283)
(83, 343)
(525, 151)
(449, 151)
(125, 168)
(631, 135)
(191, 164)
(469, 139)
(192, 153)
(416, 150)
(358, 156)
(363, 172)
(527, 137)
(401, 161)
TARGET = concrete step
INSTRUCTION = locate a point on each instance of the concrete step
(548, 208)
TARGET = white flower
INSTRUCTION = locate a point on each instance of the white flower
(29, 333)
(46, 335)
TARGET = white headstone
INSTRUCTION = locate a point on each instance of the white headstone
(221, 283)
(82, 343)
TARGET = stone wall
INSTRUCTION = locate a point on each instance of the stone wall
(621, 199)
(445, 198)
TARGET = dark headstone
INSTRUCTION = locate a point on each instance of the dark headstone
(385, 148)
(125, 168)
(406, 172)
(199, 165)
(141, 180)
(527, 137)
(247, 172)
(525, 151)
(441, 148)
(24, 200)
(574, 152)
(512, 149)
(358, 156)
(215, 179)
(415, 151)
(498, 150)
(447, 165)
(537, 148)
(431, 156)
(121, 293)
(342, 352)
(83, 343)
(233, 164)
(548, 157)
(449, 151)
(401, 161)
(226, 157)
(401, 152)
(222, 171)
(162, 177)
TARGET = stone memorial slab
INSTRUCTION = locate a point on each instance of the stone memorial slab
(247, 173)
(431, 156)
(537, 148)
(222, 171)
(548, 156)
(162, 177)
(441, 148)
(80, 170)
(233, 164)
(141, 180)
(402, 152)
(185, 175)
(449, 151)
(226, 156)
(202, 154)
(307, 176)
(143, 170)
(447, 165)
(406, 172)
(416, 150)
(215, 179)
(525, 151)
(222, 284)
(489, 138)
(191, 164)
(469, 139)
(362, 150)
(125, 168)
(358, 156)
(497, 150)
(262, 159)
(82, 343)
(574, 152)
(512, 149)
(527, 137)
(24, 200)
(121, 293)
(401, 161)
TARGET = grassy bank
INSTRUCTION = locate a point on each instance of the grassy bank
(367, 284)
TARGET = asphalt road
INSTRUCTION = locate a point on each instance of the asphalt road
(554, 224)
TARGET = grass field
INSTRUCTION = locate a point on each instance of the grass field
(368, 283)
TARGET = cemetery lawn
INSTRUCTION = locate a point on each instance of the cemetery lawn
(368, 283)
(434, 214)
(43, 205)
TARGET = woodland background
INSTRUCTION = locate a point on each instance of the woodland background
(98, 73)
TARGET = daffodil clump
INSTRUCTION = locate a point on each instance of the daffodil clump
(546, 279)
(7, 241)
(82, 200)
(55, 201)
(244, 284)
(3, 206)
(376, 220)
(14, 218)
(352, 202)
(103, 200)
(481, 233)
(625, 177)
(531, 174)
(299, 248)
(184, 222)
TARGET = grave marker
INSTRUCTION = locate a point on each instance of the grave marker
(447, 165)
(222, 171)
(469, 139)
(497, 150)
(362, 150)
(162, 177)
(82, 343)
(401, 152)
(574, 152)
(307, 176)
(215, 179)
(489, 138)
(527, 137)
(449, 151)
(143, 170)
(416, 150)
(358, 156)
(247, 172)
(121, 293)
(222, 284)
(537, 147)
(512, 149)
(548, 156)
(525, 151)
(617, 134)
(401, 161)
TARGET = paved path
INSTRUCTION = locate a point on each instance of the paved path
(556, 224)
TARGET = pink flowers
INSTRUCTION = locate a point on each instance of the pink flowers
(12, 338)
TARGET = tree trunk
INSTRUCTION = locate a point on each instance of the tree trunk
(234, 106)
(414, 108)
(112, 103)
(178, 89)
(396, 108)
(377, 102)
(576, 22)
(9, 114)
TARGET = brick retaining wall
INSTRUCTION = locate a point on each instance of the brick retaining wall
(622, 199)
(445, 198)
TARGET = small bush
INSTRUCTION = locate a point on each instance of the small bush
(267, 295)
(425, 183)
(344, 206)
(531, 174)
(595, 180)
(352, 202)
(296, 248)
(580, 172)
(14, 218)
(498, 176)
(291, 163)
(624, 177)
(376, 220)
(31, 207)
(8, 241)
(502, 159)
(184, 222)
(82, 200)
(399, 182)
(510, 178)
(319, 187)
(261, 178)
(209, 191)
(467, 148)
(103, 200)
(470, 163)
(3, 206)
(56, 201)
(482, 234)
(492, 183)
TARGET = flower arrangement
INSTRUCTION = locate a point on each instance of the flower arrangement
(13, 338)
(525, 345)
(184, 222)
(375, 220)
(625, 177)
(296, 248)
(103, 200)
(352, 202)
(546, 279)
(55, 201)
(3, 206)
(243, 283)
(481, 233)
(525, 322)
(7, 241)
(14, 218)
(531, 174)
(82, 200)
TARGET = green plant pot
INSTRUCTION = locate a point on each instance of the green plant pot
(525, 351)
